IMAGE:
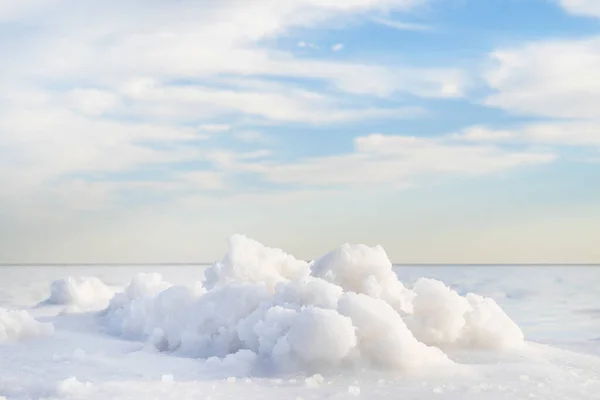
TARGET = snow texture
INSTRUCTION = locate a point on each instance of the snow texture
(442, 317)
(270, 326)
(80, 293)
(262, 307)
(16, 325)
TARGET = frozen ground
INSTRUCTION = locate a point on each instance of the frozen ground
(261, 324)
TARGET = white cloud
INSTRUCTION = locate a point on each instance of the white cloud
(402, 26)
(99, 95)
(576, 134)
(16, 10)
(80, 65)
(90, 44)
(93, 101)
(210, 180)
(307, 45)
(556, 78)
(251, 136)
(399, 160)
(482, 134)
(337, 47)
(41, 145)
(581, 7)
(254, 98)
(214, 128)
(236, 161)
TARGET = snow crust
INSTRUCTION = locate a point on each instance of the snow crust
(260, 307)
(16, 325)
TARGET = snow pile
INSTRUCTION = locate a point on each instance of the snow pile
(134, 313)
(73, 388)
(16, 325)
(443, 317)
(250, 262)
(384, 336)
(262, 308)
(81, 293)
(367, 270)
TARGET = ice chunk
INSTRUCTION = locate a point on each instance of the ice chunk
(17, 325)
(354, 390)
(72, 388)
(251, 262)
(384, 338)
(314, 381)
(443, 317)
(364, 269)
(80, 293)
(321, 336)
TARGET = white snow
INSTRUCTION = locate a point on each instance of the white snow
(354, 390)
(364, 269)
(384, 338)
(80, 293)
(320, 336)
(72, 388)
(348, 309)
(250, 262)
(262, 324)
(442, 317)
(17, 325)
(314, 381)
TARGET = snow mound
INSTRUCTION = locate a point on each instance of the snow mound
(384, 337)
(73, 388)
(443, 317)
(367, 270)
(251, 262)
(17, 325)
(80, 293)
(134, 312)
(260, 308)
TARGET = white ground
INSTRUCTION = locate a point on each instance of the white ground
(279, 328)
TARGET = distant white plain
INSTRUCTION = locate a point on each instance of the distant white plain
(265, 325)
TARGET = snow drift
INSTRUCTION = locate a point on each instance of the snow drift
(262, 308)
(17, 325)
(80, 294)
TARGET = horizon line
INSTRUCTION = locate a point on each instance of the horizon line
(182, 264)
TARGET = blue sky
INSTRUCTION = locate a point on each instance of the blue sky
(447, 131)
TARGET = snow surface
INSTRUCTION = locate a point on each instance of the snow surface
(262, 324)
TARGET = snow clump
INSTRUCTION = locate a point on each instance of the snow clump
(16, 325)
(260, 308)
(80, 293)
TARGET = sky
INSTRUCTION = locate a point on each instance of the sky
(447, 131)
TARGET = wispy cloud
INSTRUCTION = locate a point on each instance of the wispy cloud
(214, 128)
(574, 134)
(307, 45)
(403, 26)
(100, 96)
(551, 78)
(400, 160)
(337, 47)
(581, 7)
(251, 136)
